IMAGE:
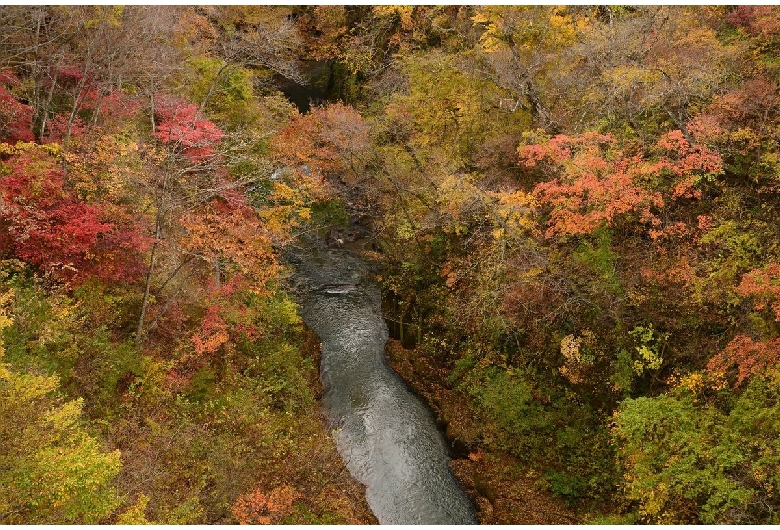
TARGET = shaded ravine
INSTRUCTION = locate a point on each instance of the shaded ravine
(385, 434)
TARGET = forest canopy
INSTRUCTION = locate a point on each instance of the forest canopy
(574, 210)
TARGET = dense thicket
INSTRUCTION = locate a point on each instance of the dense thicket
(575, 208)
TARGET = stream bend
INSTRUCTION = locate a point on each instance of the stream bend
(385, 434)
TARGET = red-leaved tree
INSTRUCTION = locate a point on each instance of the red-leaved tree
(15, 116)
(182, 124)
(45, 224)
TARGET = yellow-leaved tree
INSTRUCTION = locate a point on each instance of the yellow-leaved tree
(51, 470)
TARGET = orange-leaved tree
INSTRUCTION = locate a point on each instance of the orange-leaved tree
(750, 357)
(590, 182)
(764, 287)
(257, 507)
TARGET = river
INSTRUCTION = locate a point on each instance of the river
(387, 437)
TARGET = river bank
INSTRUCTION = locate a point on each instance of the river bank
(503, 490)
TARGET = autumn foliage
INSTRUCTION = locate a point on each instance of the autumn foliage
(141, 302)
(227, 228)
(227, 319)
(763, 286)
(15, 117)
(572, 212)
(326, 140)
(257, 507)
(48, 226)
(593, 184)
(592, 189)
(183, 126)
(749, 356)
(758, 21)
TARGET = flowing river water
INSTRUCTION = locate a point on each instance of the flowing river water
(385, 434)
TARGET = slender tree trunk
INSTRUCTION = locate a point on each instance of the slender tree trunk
(139, 334)
(37, 71)
(45, 110)
(212, 87)
(419, 326)
(151, 101)
(171, 299)
(680, 123)
(77, 101)
(96, 112)
(217, 274)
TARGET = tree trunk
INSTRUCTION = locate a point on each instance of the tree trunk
(139, 333)
(44, 110)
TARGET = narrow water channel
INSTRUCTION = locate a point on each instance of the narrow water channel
(385, 434)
